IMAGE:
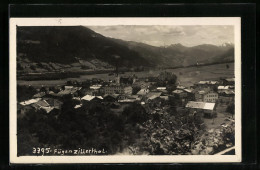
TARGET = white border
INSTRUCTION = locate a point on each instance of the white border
(235, 21)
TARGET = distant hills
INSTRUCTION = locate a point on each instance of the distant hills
(178, 55)
(67, 48)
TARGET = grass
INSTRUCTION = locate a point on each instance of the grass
(186, 76)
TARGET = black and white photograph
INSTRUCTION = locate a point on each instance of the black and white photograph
(108, 90)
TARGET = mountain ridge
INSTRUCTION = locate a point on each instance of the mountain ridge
(82, 48)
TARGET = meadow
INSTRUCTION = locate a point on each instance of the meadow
(186, 76)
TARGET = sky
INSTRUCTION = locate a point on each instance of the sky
(160, 35)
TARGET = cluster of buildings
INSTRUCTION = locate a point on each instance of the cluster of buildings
(208, 93)
(201, 97)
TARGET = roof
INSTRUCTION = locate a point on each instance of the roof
(223, 87)
(69, 91)
(188, 90)
(153, 95)
(68, 87)
(180, 87)
(207, 82)
(230, 79)
(89, 97)
(43, 103)
(201, 92)
(126, 101)
(200, 105)
(177, 91)
(77, 106)
(95, 87)
(143, 91)
(161, 88)
(41, 94)
(31, 101)
(229, 92)
(47, 109)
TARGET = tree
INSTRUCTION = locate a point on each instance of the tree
(231, 109)
(135, 113)
(136, 89)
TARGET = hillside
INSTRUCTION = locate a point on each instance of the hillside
(178, 55)
(76, 45)
(77, 48)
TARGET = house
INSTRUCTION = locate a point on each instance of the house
(142, 84)
(208, 109)
(223, 89)
(43, 105)
(116, 89)
(206, 84)
(128, 90)
(228, 81)
(165, 76)
(206, 95)
(54, 102)
(69, 90)
(226, 90)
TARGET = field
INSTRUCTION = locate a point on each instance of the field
(186, 76)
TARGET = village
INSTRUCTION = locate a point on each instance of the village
(210, 100)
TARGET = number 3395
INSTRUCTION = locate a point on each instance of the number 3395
(38, 150)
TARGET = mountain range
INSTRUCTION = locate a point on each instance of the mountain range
(58, 48)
